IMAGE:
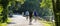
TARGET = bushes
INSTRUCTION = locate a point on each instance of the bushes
(3, 24)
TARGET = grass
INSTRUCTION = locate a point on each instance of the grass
(9, 20)
(5, 24)
(47, 23)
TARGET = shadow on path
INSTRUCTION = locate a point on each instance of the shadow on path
(19, 20)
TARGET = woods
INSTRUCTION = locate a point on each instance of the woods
(44, 8)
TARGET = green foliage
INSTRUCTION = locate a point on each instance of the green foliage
(46, 4)
(56, 11)
(31, 4)
(3, 24)
(47, 7)
(21, 1)
(1, 9)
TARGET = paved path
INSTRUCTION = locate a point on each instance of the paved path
(21, 21)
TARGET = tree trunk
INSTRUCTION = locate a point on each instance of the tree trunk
(56, 11)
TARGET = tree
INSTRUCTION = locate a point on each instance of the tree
(31, 4)
(1, 9)
(5, 4)
(56, 8)
(4, 13)
(46, 8)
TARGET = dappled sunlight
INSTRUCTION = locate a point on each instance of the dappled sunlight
(21, 21)
(28, 12)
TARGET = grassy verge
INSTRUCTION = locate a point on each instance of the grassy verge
(5, 24)
(9, 20)
(47, 23)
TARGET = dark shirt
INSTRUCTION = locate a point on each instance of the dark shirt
(30, 13)
(35, 13)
